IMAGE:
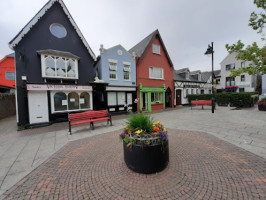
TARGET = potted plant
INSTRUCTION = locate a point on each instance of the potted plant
(145, 144)
(262, 104)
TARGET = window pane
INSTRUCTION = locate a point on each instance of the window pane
(112, 75)
(129, 98)
(10, 75)
(84, 100)
(73, 101)
(111, 96)
(71, 68)
(121, 97)
(60, 101)
(155, 72)
(126, 75)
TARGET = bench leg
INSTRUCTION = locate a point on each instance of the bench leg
(110, 122)
(202, 108)
(92, 125)
(69, 128)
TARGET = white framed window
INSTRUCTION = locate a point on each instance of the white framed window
(243, 64)
(112, 70)
(229, 67)
(63, 101)
(156, 49)
(126, 71)
(58, 30)
(121, 98)
(59, 67)
(157, 97)
(10, 76)
(156, 73)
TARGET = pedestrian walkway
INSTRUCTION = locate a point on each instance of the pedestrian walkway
(201, 166)
(23, 151)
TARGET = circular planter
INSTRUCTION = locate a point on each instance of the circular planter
(146, 159)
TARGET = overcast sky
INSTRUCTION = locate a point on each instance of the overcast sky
(186, 26)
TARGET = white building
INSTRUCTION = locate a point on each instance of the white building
(242, 83)
(186, 83)
(207, 78)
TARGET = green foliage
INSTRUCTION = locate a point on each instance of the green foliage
(235, 99)
(140, 121)
(252, 52)
(21, 128)
(257, 21)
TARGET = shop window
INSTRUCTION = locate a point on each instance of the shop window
(129, 98)
(156, 73)
(84, 100)
(241, 89)
(10, 75)
(59, 67)
(60, 101)
(121, 97)
(73, 101)
(111, 96)
(157, 97)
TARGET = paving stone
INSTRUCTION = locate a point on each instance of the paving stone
(201, 167)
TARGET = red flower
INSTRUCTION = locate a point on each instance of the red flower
(156, 129)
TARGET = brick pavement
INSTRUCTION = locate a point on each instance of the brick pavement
(201, 167)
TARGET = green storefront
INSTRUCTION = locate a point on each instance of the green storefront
(152, 98)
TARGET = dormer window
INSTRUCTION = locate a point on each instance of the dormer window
(61, 65)
(156, 49)
(112, 69)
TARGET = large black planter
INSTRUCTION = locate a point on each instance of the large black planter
(146, 159)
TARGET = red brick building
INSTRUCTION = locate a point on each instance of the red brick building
(154, 74)
(7, 74)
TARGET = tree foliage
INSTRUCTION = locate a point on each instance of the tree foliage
(252, 52)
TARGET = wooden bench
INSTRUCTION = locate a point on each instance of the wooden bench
(88, 117)
(201, 103)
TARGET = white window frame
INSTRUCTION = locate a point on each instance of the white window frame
(67, 92)
(113, 69)
(151, 73)
(156, 49)
(55, 58)
(125, 66)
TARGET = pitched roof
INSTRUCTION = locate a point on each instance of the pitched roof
(179, 75)
(39, 15)
(206, 75)
(144, 44)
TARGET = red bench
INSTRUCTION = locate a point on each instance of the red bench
(201, 103)
(88, 117)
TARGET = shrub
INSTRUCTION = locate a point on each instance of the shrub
(262, 104)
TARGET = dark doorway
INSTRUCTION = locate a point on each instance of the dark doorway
(178, 97)
(168, 95)
(99, 97)
(144, 101)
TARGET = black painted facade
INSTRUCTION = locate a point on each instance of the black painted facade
(28, 61)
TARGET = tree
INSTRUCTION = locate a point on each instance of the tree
(252, 52)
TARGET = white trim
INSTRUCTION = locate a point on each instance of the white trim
(126, 63)
(113, 61)
(120, 88)
(39, 15)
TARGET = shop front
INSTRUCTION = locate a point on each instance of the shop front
(152, 98)
(47, 102)
(121, 99)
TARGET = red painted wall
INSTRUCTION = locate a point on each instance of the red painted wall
(155, 60)
(7, 64)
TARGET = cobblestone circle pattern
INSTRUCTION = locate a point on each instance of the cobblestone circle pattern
(201, 167)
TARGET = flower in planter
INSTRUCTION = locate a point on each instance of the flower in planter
(142, 130)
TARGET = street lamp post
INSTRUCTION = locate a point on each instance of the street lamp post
(210, 52)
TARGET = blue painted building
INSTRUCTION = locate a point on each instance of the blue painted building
(117, 67)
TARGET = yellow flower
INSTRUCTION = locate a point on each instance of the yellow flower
(164, 129)
(139, 131)
(158, 122)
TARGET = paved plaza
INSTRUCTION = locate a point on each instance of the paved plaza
(212, 156)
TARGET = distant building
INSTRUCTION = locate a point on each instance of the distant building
(7, 74)
(187, 83)
(117, 67)
(154, 74)
(242, 83)
(207, 78)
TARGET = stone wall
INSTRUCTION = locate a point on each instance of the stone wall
(7, 105)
